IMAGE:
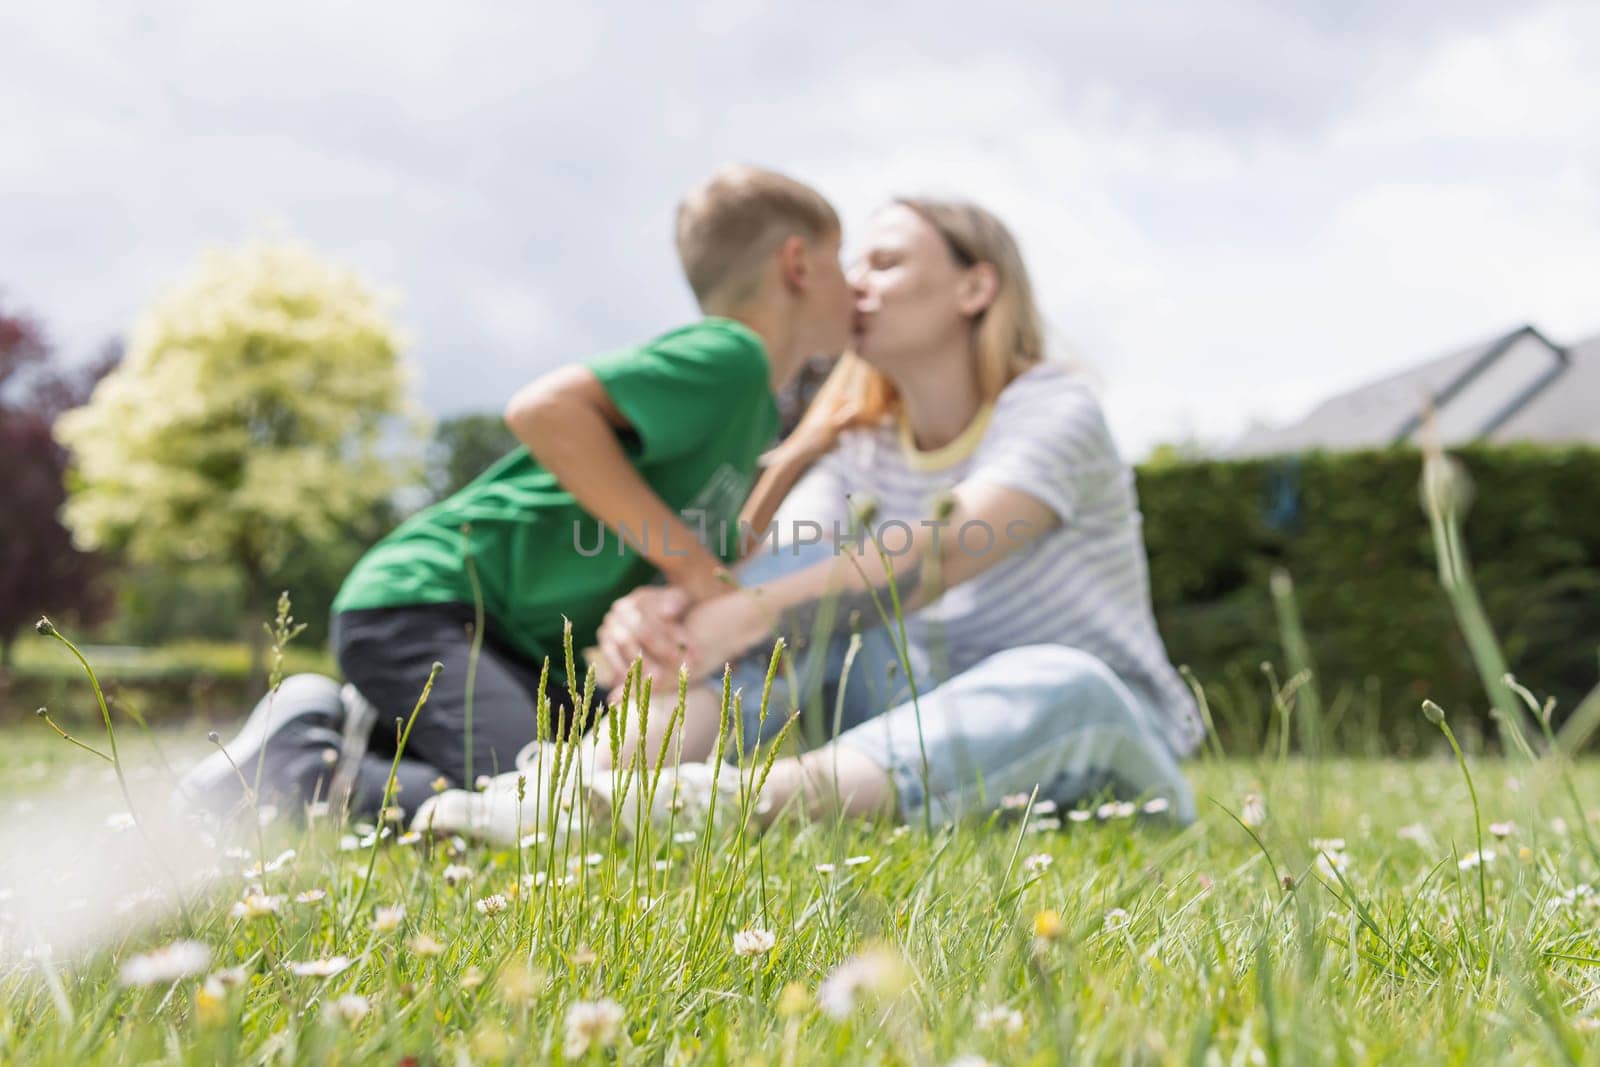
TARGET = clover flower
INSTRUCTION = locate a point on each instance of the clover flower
(753, 942)
(999, 1017)
(591, 1024)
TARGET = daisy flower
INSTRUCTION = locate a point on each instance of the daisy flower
(169, 963)
(323, 968)
(255, 906)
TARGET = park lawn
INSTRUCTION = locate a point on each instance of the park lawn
(1105, 939)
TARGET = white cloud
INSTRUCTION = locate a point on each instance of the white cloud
(1229, 209)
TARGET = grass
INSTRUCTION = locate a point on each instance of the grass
(1131, 943)
(1322, 910)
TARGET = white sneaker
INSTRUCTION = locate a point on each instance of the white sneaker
(682, 800)
(354, 735)
(304, 702)
(496, 815)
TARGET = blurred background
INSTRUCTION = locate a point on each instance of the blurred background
(1283, 238)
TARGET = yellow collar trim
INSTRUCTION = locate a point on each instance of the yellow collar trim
(948, 455)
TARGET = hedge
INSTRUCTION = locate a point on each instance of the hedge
(1350, 530)
(196, 680)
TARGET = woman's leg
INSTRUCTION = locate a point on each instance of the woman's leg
(1041, 716)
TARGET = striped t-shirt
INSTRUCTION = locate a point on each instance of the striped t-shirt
(1085, 584)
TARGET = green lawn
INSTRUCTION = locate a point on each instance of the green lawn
(1104, 940)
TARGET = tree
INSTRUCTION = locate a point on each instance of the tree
(250, 421)
(463, 447)
(40, 569)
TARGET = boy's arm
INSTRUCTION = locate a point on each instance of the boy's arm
(569, 423)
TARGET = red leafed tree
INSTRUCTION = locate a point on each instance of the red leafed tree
(40, 570)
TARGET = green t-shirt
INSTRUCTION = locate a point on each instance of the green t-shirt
(700, 407)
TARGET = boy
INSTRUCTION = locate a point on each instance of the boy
(617, 451)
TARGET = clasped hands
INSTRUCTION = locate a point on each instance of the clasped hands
(668, 626)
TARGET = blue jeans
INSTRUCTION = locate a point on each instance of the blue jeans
(1035, 716)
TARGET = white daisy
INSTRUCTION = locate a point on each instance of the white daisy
(256, 906)
(256, 870)
(167, 964)
(323, 968)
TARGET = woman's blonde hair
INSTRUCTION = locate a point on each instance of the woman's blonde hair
(1007, 335)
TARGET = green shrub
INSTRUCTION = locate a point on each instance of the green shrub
(189, 679)
(1350, 530)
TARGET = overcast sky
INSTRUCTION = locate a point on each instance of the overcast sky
(1230, 209)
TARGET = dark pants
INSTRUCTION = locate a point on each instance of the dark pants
(387, 654)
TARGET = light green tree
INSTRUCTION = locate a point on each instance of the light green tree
(262, 408)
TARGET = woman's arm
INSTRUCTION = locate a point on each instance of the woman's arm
(985, 525)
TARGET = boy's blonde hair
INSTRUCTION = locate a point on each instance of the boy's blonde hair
(734, 220)
(1008, 335)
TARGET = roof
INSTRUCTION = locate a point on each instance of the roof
(1520, 386)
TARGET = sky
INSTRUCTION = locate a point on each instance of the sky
(1230, 210)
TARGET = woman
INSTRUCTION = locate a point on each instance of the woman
(1009, 524)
